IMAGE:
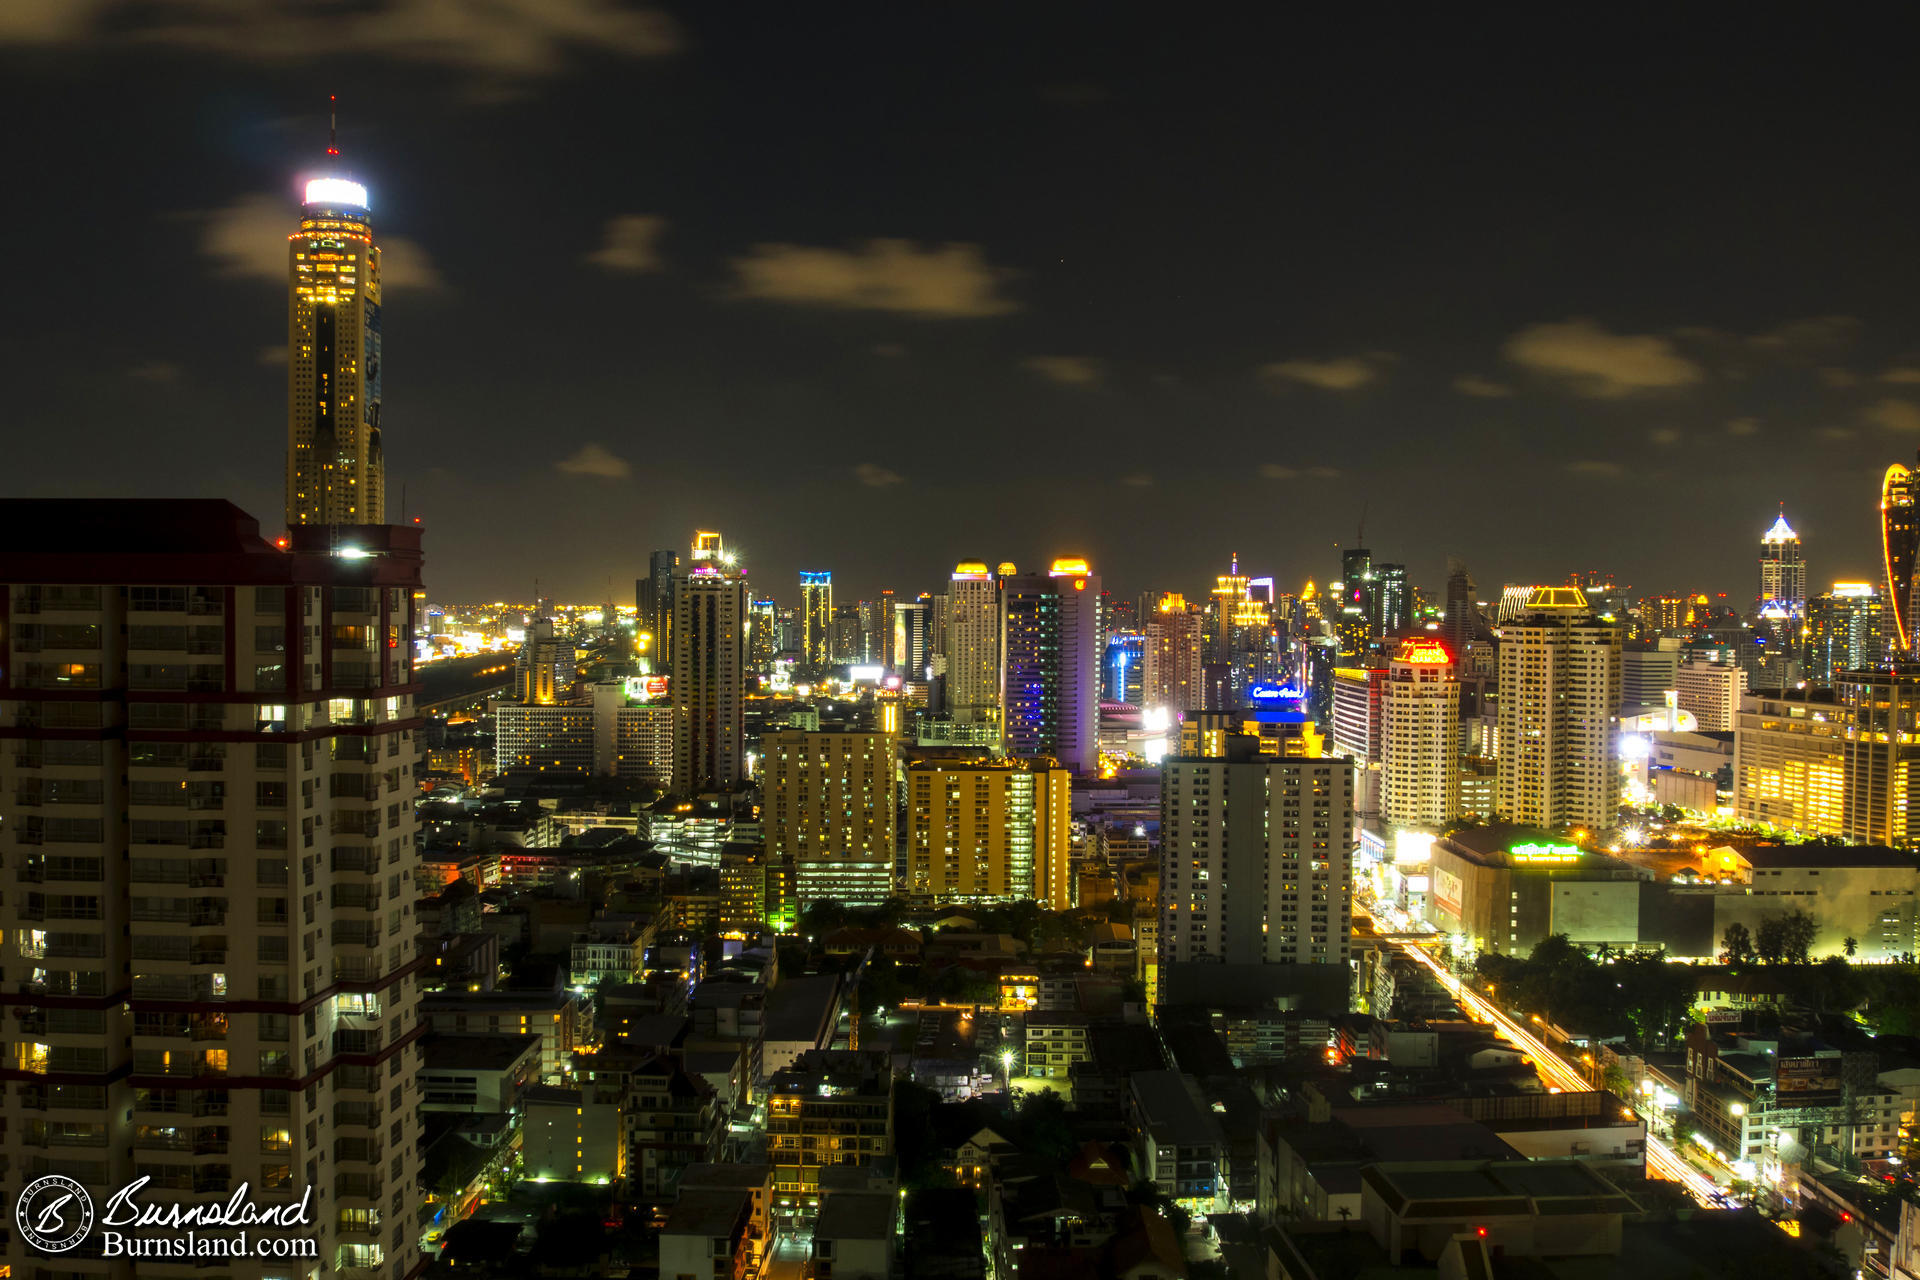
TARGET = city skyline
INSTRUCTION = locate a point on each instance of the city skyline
(1022, 281)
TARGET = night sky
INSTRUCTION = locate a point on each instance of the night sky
(877, 289)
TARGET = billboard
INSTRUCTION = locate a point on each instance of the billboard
(1802, 1079)
(1447, 892)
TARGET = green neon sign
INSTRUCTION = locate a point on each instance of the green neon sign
(1544, 853)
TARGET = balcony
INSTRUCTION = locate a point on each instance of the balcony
(63, 1097)
(349, 1041)
(358, 1186)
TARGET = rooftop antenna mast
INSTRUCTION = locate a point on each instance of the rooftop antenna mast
(333, 122)
(1360, 538)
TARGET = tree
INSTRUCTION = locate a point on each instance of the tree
(1045, 1131)
(1770, 940)
(1736, 944)
(1849, 945)
(1798, 930)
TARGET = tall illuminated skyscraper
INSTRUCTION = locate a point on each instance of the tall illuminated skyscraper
(816, 618)
(653, 599)
(1420, 737)
(1171, 661)
(1050, 665)
(1392, 600)
(1846, 631)
(336, 472)
(1256, 857)
(1559, 689)
(1783, 571)
(1900, 545)
(973, 642)
(708, 686)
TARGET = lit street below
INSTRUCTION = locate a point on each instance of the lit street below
(1662, 1160)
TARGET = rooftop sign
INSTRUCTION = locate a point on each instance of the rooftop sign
(1544, 853)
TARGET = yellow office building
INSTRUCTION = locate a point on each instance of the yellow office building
(981, 830)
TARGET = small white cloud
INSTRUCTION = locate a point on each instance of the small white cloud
(1893, 415)
(1594, 362)
(155, 371)
(1345, 373)
(1067, 371)
(950, 281)
(1837, 433)
(1281, 471)
(1744, 427)
(889, 350)
(632, 244)
(405, 265)
(1138, 480)
(1472, 384)
(1599, 470)
(1905, 374)
(274, 356)
(875, 476)
(1664, 436)
(1839, 378)
(595, 460)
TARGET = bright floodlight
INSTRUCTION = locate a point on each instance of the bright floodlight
(336, 191)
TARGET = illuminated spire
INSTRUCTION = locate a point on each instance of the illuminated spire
(1781, 531)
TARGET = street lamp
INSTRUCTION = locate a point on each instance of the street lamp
(1006, 1066)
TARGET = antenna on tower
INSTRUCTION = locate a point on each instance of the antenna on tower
(333, 122)
(1360, 538)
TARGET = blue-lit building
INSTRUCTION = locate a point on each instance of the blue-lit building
(1122, 666)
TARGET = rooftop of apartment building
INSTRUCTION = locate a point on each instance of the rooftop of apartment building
(855, 1215)
(745, 1176)
(169, 540)
(712, 1213)
(798, 1009)
(476, 1052)
(1171, 1111)
(865, 1071)
(1450, 1188)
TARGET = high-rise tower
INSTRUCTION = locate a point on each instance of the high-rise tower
(1559, 688)
(1420, 732)
(206, 814)
(1783, 571)
(816, 618)
(1900, 545)
(973, 643)
(336, 472)
(708, 685)
(1050, 665)
(1171, 663)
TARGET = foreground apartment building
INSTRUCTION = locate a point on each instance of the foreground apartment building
(207, 841)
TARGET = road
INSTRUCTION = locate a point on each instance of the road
(1662, 1160)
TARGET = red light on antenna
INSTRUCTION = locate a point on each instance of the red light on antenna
(416, 519)
(280, 543)
(1481, 1232)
